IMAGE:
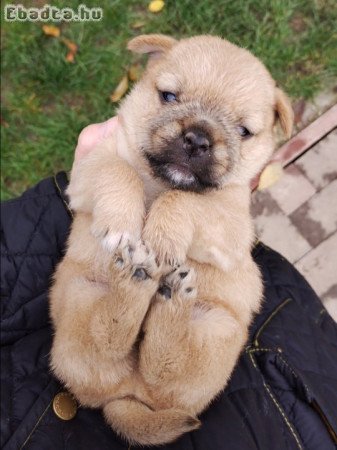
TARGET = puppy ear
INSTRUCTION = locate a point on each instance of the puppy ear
(284, 112)
(152, 44)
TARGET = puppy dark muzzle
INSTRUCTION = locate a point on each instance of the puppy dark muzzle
(191, 146)
(186, 162)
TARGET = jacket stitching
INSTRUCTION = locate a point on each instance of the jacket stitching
(43, 212)
(259, 332)
(278, 406)
(283, 415)
(35, 426)
(62, 197)
(259, 349)
(266, 322)
(295, 374)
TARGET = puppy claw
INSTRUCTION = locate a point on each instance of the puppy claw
(111, 241)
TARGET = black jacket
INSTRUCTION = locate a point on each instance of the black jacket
(282, 395)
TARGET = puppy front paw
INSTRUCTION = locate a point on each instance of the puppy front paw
(110, 240)
(135, 261)
(180, 284)
(169, 251)
(110, 235)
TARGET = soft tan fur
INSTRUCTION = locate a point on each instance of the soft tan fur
(152, 346)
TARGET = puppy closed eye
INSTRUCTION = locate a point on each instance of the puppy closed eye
(244, 132)
(167, 97)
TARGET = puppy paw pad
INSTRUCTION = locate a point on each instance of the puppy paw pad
(165, 291)
(180, 281)
(119, 262)
(183, 274)
(140, 274)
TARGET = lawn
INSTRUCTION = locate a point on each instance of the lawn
(46, 100)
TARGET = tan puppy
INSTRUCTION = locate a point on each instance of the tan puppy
(152, 349)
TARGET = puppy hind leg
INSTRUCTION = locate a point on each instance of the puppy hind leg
(117, 320)
(187, 341)
(166, 345)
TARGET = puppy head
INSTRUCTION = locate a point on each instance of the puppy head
(202, 116)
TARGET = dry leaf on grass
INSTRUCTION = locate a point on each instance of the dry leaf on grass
(120, 89)
(270, 175)
(51, 30)
(156, 6)
(72, 47)
(134, 72)
(70, 57)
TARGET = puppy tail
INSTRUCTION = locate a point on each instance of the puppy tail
(139, 424)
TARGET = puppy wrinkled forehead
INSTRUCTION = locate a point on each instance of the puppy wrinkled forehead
(214, 65)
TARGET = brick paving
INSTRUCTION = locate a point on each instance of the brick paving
(297, 216)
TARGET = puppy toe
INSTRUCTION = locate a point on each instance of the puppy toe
(145, 257)
(115, 242)
(140, 274)
(136, 260)
(123, 252)
(179, 283)
(165, 291)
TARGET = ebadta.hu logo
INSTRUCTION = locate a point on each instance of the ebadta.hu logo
(46, 13)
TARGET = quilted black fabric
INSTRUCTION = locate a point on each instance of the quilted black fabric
(282, 394)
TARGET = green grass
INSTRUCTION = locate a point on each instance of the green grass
(46, 101)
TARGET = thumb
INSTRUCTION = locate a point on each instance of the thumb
(92, 135)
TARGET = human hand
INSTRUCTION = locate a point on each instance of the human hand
(92, 135)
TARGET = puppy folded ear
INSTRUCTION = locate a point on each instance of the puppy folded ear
(152, 44)
(284, 112)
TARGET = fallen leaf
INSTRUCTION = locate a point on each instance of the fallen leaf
(134, 72)
(120, 89)
(156, 6)
(138, 24)
(70, 57)
(72, 47)
(270, 175)
(51, 30)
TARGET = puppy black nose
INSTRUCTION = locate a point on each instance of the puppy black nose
(196, 143)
